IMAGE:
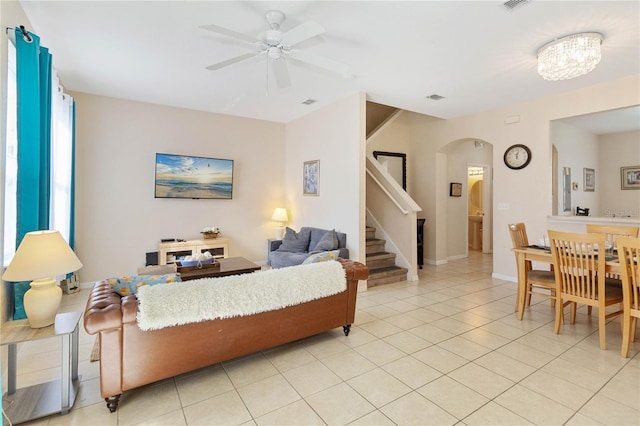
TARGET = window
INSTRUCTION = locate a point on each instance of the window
(61, 159)
(11, 159)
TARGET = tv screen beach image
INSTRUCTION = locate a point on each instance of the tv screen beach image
(181, 176)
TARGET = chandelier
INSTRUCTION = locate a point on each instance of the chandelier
(569, 57)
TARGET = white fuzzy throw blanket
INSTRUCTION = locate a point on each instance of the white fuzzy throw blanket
(237, 295)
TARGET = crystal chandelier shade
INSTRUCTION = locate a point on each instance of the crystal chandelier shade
(569, 57)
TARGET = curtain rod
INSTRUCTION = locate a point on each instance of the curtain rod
(25, 34)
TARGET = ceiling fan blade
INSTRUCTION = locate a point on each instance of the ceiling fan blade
(322, 62)
(232, 61)
(302, 32)
(230, 33)
(281, 72)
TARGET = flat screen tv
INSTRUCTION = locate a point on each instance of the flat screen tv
(182, 176)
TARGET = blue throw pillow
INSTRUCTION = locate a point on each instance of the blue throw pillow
(129, 285)
(329, 241)
(295, 242)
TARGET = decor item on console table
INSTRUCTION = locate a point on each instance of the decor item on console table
(187, 346)
(210, 232)
(296, 247)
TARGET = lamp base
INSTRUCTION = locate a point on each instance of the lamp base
(279, 232)
(41, 302)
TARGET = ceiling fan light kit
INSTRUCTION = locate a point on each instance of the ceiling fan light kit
(277, 46)
(570, 57)
(275, 18)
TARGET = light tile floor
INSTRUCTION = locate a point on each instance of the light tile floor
(445, 350)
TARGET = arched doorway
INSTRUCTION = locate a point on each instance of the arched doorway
(463, 216)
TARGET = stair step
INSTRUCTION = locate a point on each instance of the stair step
(386, 275)
(370, 232)
(380, 255)
(380, 259)
(372, 241)
(381, 264)
(374, 245)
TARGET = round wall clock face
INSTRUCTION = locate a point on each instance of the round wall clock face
(517, 156)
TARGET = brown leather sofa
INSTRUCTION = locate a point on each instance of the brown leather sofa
(130, 357)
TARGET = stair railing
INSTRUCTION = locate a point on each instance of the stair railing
(394, 211)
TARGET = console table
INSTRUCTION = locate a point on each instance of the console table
(48, 398)
(171, 252)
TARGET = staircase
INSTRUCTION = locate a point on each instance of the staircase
(382, 264)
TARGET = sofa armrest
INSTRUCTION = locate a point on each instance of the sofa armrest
(104, 309)
(354, 271)
(274, 245)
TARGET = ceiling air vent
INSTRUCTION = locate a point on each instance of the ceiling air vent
(512, 5)
(309, 101)
(434, 97)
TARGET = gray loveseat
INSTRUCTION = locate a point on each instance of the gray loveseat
(296, 247)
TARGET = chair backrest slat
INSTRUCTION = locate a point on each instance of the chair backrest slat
(578, 267)
(629, 255)
(518, 233)
(613, 232)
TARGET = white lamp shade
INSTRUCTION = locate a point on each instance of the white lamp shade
(41, 254)
(280, 215)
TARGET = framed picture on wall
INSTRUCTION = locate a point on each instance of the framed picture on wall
(589, 180)
(455, 189)
(630, 177)
(311, 178)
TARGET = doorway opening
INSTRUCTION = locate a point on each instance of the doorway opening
(479, 208)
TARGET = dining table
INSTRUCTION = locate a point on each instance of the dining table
(543, 255)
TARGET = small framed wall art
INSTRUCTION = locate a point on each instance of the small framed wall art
(311, 177)
(589, 180)
(630, 177)
(455, 189)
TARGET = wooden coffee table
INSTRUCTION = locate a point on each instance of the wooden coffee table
(222, 268)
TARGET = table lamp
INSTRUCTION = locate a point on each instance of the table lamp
(41, 256)
(280, 216)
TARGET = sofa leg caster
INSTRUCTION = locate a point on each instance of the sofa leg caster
(112, 403)
(346, 329)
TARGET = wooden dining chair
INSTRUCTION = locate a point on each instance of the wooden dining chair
(540, 282)
(611, 235)
(580, 277)
(612, 232)
(629, 255)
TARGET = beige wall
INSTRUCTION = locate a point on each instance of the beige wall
(617, 150)
(335, 136)
(118, 219)
(523, 195)
(577, 149)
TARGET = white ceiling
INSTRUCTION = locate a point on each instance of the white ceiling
(476, 54)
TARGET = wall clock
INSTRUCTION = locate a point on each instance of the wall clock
(517, 156)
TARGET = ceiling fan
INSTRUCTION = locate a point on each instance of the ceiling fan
(277, 45)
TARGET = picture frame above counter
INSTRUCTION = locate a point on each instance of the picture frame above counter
(589, 180)
(630, 177)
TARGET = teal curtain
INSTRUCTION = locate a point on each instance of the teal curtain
(33, 78)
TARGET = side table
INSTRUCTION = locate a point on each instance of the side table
(48, 398)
